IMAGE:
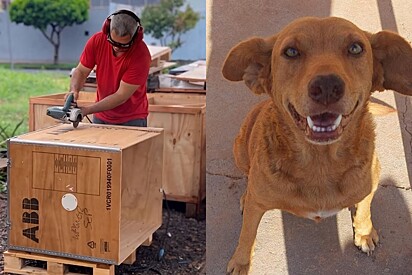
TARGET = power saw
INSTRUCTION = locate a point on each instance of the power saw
(69, 113)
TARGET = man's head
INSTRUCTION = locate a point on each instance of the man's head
(123, 29)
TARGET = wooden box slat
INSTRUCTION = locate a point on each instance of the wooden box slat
(114, 173)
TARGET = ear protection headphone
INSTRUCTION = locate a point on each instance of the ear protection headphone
(106, 24)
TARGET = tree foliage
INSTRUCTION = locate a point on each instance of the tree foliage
(50, 17)
(167, 21)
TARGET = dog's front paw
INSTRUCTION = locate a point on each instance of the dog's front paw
(236, 268)
(367, 242)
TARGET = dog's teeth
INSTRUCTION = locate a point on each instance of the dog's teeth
(330, 128)
(337, 121)
(310, 122)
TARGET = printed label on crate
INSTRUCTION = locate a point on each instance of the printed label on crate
(109, 170)
(67, 172)
(91, 244)
(30, 217)
(104, 246)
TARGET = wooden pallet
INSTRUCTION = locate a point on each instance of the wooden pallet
(19, 263)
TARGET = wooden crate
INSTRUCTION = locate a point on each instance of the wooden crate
(92, 193)
(38, 106)
(182, 116)
(159, 55)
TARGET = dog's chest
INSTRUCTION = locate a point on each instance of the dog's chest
(321, 214)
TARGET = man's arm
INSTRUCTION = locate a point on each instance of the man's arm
(124, 92)
(78, 79)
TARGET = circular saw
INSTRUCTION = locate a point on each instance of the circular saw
(69, 113)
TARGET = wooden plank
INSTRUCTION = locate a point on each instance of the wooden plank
(177, 103)
(131, 259)
(58, 99)
(191, 210)
(187, 67)
(54, 268)
(178, 109)
(148, 241)
(198, 74)
(163, 65)
(180, 90)
(177, 99)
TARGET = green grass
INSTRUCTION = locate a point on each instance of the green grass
(66, 66)
(16, 87)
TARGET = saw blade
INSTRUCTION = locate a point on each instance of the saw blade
(76, 123)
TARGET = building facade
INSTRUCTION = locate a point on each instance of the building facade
(25, 44)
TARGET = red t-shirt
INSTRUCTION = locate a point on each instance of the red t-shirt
(131, 67)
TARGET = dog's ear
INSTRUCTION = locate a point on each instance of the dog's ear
(392, 62)
(250, 61)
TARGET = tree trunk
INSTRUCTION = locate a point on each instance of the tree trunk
(56, 49)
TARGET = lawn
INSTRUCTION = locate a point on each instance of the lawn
(17, 86)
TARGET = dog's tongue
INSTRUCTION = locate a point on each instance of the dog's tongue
(324, 120)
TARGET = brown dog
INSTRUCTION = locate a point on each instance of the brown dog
(309, 149)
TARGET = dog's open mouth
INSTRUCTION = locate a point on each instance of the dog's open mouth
(322, 128)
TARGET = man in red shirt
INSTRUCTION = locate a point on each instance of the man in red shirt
(122, 62)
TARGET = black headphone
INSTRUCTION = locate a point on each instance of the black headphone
(106, 24)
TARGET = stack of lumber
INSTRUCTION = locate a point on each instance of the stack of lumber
(187, 77)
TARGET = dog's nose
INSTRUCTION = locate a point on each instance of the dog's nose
(326, 89)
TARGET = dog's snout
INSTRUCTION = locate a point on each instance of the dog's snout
(326, 89)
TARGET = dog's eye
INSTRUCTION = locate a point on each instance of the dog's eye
(291, 52)
(355, 49)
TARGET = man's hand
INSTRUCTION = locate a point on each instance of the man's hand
(75, 95)
(85, 110)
